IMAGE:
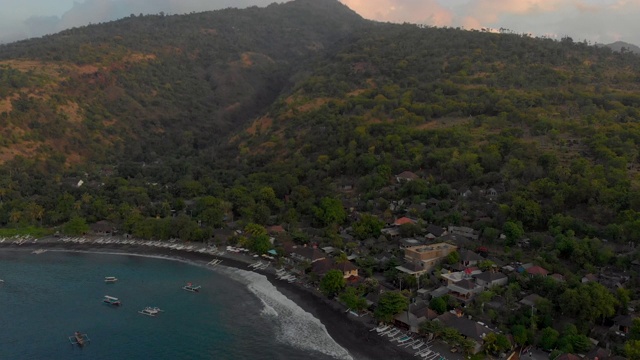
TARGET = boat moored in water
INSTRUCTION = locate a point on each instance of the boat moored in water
(111, 300)
(79, 339)
(191, 287)
(110, 279)
(149, 311)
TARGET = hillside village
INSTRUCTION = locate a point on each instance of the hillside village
(460, 284)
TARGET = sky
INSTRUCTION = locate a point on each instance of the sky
(597, 21)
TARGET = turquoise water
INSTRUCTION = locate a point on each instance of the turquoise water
(237, 314)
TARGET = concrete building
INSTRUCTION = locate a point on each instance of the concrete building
(423, 258)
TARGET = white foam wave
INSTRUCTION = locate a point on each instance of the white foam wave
(268, 310)
(296, 327)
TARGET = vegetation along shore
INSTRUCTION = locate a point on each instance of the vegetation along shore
(470, 188)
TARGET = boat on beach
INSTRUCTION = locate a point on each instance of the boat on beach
(110, 279)
(111, 300)
(191, 287)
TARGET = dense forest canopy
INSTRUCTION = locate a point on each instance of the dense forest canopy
(176, 125)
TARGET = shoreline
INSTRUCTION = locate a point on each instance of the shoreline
(352, 334)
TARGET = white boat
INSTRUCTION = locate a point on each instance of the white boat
(192, 288)
(150, 311)
(39, 251)
(382, 328)
(111, 300)
(110, 279)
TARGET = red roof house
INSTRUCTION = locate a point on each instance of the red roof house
(537, 270)
(403, 220)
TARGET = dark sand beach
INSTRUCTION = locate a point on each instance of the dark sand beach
(350, 332)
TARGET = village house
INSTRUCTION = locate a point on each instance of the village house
(391, 232)
(469, 258)
(406, 176)
(463, 231)
(475, 331)
(589, 278)
(310, 254)
(434, 231)
(461, 284)
(622, 324)
(598, 353)
(531, 300)
(348, 269)
(275, 230)
(536, 271)
(321, 267)
(403, 220)
(465, 193)
(103, 227)
(424, 258)
(490, 279)
(411, 319)
(407, 243)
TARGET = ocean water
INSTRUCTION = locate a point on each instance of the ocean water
(237, 315)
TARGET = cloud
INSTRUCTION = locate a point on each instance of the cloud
(595, 20)
(97, 11)
(414, 11)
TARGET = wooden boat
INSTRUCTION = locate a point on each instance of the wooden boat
(79, 339)
(191, 287)
(111, 300)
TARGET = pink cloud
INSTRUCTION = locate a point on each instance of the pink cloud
(429, 12)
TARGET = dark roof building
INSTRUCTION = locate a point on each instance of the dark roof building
(311, 254)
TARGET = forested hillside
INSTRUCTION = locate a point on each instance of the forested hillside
(146, 87)
(553, 124)
(258, 114)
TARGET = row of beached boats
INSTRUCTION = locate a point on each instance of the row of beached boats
(18, 239)
(211, 250)
(406, 339)
(282, 274)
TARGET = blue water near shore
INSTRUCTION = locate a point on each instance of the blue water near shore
(238, 315)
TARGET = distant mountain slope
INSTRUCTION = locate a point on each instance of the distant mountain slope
(619, 45)
(545, 120)
(145, 86)
(272, 109)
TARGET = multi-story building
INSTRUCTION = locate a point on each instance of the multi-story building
(423, 258)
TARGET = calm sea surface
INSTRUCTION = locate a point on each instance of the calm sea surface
(238, 314)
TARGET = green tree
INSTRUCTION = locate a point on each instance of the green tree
(353, 299)
(332, 283)
(432, 327)
(632, 349)
(368, 226)
(548, 338)
(513, 231)
(390, 304)
(438, 305)
(260, 244)
(330, 211)
(520, 334)
(453, 258)
(634, 331)
(76, 226)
